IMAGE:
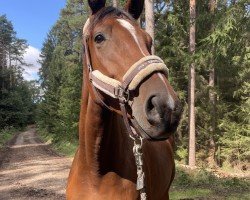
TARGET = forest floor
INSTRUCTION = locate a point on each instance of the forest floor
(201, 184)
(30, 169)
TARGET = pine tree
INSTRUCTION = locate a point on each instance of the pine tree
(149, 20)
(191, 102)
(61, 73)
(212, 94)
(16, 97)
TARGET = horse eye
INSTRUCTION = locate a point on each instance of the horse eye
(99, 38)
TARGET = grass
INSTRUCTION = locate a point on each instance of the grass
(6, 134)
(61, 146)
(201, 184)
(65, 147)
(190, 193)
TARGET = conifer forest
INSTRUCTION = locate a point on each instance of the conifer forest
(219, 65)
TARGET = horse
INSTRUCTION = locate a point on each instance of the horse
(127, 102)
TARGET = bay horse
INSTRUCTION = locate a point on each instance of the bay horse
(126, 95)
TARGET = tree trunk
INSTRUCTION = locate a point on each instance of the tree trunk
(212, 96)
(149, 18)
(115, 3)
(11, 71)
(3, 65)
(212, 100)
(191, 87)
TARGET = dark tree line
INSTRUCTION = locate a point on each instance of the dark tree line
(222, 76)
(17, 100)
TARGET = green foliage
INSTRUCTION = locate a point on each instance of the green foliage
(6, 134)
(222, 43)
(201, 184)
(61, 74)
(16, 106)
(63, 146)
(17, 97)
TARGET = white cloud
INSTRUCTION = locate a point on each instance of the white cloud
(31, 57)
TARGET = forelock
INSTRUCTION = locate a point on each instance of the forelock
(109, 12)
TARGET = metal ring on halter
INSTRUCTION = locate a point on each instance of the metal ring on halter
(135, 138)
(140, 139)
(121, 94)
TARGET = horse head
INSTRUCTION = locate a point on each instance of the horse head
(117, 49)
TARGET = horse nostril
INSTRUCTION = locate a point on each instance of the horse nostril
(153, 110)
(160, 113)
(150, 105)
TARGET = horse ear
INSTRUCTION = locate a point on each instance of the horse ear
(96, 5)
(134, 7)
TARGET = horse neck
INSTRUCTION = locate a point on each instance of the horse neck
(104, 144)
(116, 153)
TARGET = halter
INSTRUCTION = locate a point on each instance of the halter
(123, 92)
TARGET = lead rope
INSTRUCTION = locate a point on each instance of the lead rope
(137, 151)
(140, 185)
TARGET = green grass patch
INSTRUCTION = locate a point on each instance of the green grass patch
(65, 147)
(6, 134)
(60, 145)
(201, 184)
(189, 193)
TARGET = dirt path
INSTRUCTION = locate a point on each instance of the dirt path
(29, 169)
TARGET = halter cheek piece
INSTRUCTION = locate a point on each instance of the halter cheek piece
(122, 91)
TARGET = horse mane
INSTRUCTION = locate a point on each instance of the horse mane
(109, 12)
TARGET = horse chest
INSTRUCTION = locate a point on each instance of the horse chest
(109, 187)
(114, 187)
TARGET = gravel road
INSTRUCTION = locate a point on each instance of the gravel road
(30, 170)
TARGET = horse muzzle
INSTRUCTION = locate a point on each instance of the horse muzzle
(156, 113)
(123, 91)
(163, 114)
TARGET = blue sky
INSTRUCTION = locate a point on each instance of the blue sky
(32, 20)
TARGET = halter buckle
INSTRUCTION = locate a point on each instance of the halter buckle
(121, 94)
(89, 67)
